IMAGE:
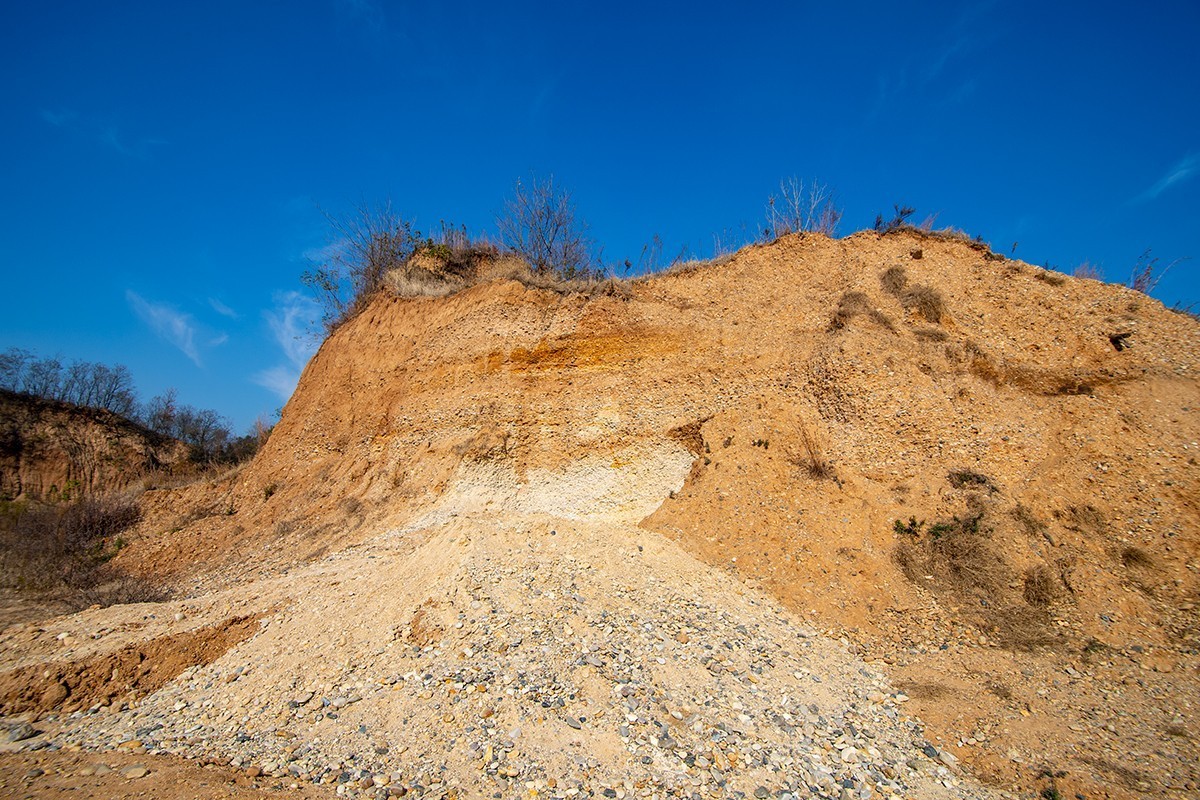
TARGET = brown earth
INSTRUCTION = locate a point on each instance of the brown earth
(125, 674)
(110, 776)
(50, 449)
(985, 475)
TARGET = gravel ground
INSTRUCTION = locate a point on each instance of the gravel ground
(529, 656)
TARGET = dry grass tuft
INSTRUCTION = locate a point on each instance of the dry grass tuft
(1032, 525)
(853, 304)
(893, 280)
(1041, 586)
(1135, 558)
(926, 301)
(1087, 518)
(969, 479)
(812, 459)
(957, 556)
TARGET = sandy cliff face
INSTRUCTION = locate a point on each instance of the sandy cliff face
(979, 470)
(48, 448)
(712, 392)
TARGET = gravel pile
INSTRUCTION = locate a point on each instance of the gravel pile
(537, 658)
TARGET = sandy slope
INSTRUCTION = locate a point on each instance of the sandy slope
(774, 416)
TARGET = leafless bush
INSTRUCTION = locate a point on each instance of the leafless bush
(461, 256)
(81, 383)
(539, 224)
(897, 222)
(65, 549)
(799, 208)
(367, 245)
(1089, 271)
(1147, 273)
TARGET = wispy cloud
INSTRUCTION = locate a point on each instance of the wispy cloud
(106, 133)
(291, 322)
(222, 309)
(134, 148)
(168, 323)
(280, 380)
(326, 253)
(1183, 170)
(365, 12)
(58, 118)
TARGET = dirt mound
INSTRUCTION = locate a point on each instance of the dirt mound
(983, 474)
(127, 673)
(50, 450)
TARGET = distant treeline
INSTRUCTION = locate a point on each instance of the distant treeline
(111, 388)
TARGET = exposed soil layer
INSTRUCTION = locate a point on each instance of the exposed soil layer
(131, 671)
(109, 776)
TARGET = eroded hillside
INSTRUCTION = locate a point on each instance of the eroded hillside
(985, 475)
(50, 449)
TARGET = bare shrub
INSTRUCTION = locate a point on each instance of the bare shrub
(65, 549)
(898, 222)
(1147, 273)
(539, 224)
(460, 255)
(368, 244)
(1088, 271)
(799, 208)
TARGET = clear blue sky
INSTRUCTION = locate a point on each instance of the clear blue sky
(162, 164)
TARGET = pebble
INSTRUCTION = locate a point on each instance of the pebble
(20, 732)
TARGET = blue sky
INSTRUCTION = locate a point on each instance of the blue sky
(164, 166)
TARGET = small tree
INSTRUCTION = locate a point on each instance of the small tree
(539, 224)
(367, 245)
(798, 208)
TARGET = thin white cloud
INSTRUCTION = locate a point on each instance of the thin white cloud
(291, 322)
(222, 309)
(106, 133)
(1184, 170)
(58, 118)
(365, 12)
(140, 148)
(326, 253)
(170, 325)
(280, 380)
